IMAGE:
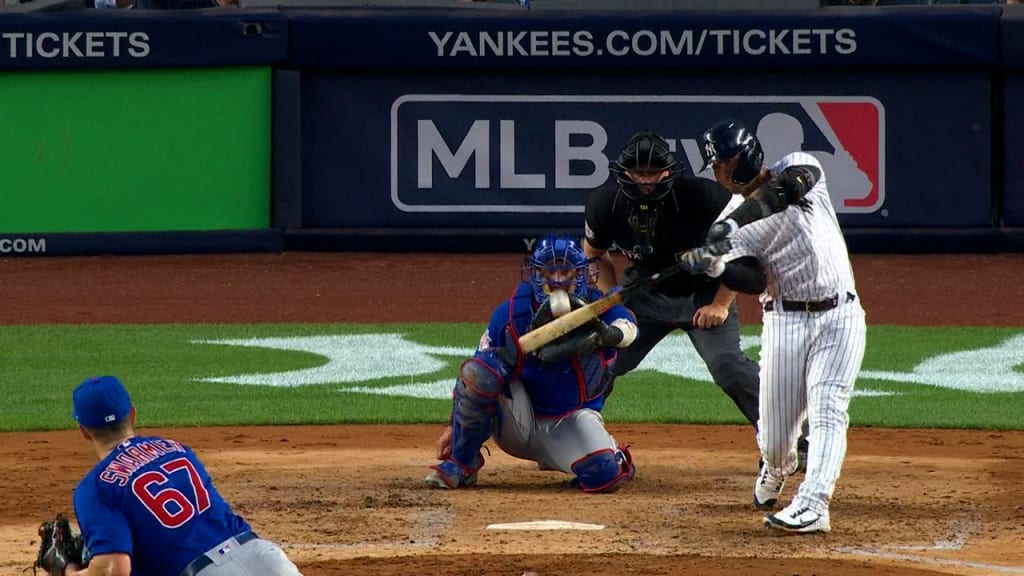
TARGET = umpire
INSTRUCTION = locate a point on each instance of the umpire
(652, 214)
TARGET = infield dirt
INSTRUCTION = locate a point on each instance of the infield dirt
(348, 499)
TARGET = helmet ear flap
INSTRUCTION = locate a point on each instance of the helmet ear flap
(750, 164)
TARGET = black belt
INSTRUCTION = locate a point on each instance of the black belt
(203, 561)
(813, 306)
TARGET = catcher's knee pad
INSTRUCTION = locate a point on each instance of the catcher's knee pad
(605, 470)
(479, 379)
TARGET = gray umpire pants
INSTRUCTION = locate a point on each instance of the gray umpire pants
(658, 315)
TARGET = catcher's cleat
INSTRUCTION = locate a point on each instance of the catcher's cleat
(798, 520)
(451, 474)
(767, 489)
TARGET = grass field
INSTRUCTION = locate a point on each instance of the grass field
(189, 375)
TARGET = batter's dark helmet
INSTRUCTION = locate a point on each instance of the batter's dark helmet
(646, 150)
(730, 138)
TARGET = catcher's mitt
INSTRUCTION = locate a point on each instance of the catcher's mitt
(58, 546)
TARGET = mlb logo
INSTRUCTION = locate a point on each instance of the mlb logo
(542, 153)
(845, 134)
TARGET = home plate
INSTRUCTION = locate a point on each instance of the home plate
(545, 525)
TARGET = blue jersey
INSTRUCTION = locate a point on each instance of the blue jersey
(562, 387)
(152, 498)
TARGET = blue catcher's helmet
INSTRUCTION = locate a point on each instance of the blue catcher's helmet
(558, 263)
(730, 138)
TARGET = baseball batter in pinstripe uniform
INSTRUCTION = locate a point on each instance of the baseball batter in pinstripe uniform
(813, 334)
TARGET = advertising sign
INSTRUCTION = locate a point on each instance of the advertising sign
(524, 150)
(142, 150)
(810, 39)
(464, 152)
(142, 39)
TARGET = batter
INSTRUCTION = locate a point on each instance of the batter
(813, 335)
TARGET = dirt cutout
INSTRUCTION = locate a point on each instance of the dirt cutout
(348, 499)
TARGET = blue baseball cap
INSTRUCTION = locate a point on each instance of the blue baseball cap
(100, 400)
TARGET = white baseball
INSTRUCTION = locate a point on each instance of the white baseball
(560, 305)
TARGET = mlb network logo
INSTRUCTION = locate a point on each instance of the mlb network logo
(544, 153)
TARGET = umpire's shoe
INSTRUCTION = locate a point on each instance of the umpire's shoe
(801, 454)
(767, 489)
(798, 520)
(452, 474)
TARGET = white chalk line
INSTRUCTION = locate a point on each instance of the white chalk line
(929, 560)
(956, 542)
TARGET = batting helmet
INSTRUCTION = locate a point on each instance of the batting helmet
(558, 263)
(730, 138)
(646, 151)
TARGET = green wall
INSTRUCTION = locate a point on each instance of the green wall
(135, 150)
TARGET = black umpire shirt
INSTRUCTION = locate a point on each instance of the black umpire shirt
(684, 217)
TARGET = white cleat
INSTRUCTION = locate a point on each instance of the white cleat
(798, 520)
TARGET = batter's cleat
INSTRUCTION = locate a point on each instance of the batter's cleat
(767, 489)
(798, 520)
(451, 474)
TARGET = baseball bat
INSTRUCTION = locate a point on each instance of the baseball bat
(562, 325)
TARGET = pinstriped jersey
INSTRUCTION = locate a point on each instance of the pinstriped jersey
(802, 249)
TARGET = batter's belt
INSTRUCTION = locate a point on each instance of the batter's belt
(203, 561)
(810, 306)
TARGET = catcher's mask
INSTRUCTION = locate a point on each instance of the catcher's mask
(646, 169)
(558, 263)
(728, 139)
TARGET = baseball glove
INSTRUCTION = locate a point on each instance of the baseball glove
(58, 546)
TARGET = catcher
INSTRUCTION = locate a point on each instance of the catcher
(149, 506)
(543, 406)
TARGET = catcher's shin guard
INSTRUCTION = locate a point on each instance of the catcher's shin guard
(605, 470)
(476, 397)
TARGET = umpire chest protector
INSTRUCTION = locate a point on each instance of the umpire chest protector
(678, 223)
